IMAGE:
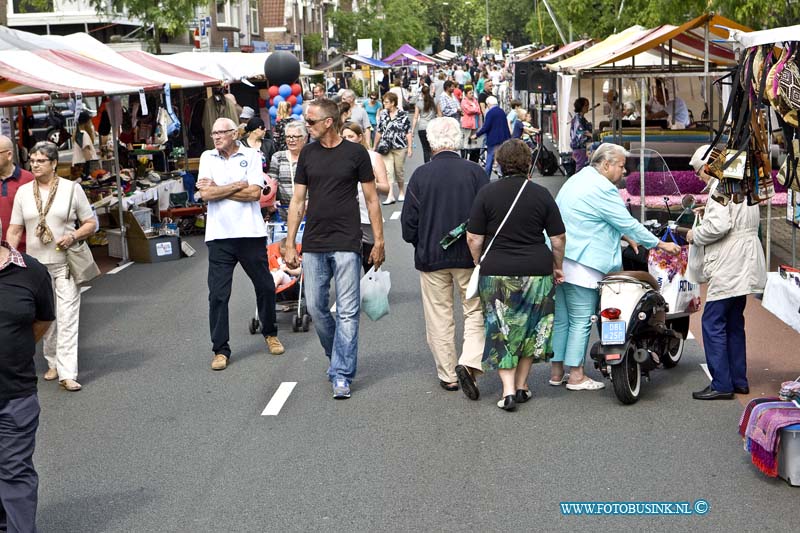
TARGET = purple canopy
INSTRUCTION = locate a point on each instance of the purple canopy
(399, 56)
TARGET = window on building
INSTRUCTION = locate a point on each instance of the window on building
(22, 7)
(254, 17)
(228, 13)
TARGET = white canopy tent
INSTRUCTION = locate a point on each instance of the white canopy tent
(231, 66)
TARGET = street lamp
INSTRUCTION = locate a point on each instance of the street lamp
(487, 26)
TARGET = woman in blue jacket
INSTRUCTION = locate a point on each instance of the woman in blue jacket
(596, 220)
(495, 127)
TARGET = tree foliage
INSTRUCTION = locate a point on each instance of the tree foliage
(312, 46)
(168, 17)
(395, 22)
(433, 22)
(601, 18)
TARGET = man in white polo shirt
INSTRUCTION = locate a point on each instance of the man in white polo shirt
(231, 180)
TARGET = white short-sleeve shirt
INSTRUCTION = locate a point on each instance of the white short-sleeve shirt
(230, 219)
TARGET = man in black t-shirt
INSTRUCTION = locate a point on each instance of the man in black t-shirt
(486, 93)
(27, 312)
(328, 173)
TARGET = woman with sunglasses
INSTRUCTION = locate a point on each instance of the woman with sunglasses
(284, 163)
(255, 136)
(734, 265)
(393, 141)
(48, 210)
(354, 133)
(373, 108)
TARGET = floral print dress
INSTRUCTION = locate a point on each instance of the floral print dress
(519, 313)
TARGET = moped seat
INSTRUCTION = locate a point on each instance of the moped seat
(635, 274)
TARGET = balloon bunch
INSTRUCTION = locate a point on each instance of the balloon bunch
(286, 93)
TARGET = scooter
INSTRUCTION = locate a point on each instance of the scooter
(638, 334)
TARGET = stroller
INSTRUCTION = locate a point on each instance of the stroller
(291, 294)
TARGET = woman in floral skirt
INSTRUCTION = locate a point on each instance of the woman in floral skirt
(519, 272)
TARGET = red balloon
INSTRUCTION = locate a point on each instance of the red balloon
(273, 91)
(292, 99)
(296, 89)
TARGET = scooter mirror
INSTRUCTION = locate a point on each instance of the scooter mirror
(687, 202)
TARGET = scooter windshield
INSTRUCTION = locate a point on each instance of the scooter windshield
(663, 198)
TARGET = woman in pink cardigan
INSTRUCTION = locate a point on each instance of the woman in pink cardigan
(470, 122)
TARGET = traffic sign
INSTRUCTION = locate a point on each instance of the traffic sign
(284, 46)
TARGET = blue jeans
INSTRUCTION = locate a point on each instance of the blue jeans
(490, 159)
(339, 337)
(572, 324)
(724, 343)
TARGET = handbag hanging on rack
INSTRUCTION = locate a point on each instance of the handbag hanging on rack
(80, 261)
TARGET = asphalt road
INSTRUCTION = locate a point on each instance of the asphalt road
(158, 442)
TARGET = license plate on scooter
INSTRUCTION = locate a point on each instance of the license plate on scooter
(613, 332)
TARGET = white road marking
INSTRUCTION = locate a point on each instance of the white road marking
(279, 398)
(121, 268)
(705, 369)
(690, 335)
(84, 289)
(395, 215)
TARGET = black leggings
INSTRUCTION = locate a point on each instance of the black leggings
(426, 146)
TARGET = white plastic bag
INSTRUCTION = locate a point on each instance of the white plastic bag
(682, 295)
(694, 267)
(375, 288)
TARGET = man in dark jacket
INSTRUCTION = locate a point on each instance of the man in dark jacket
(438, 199)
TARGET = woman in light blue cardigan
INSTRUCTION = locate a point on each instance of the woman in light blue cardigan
(595, 219)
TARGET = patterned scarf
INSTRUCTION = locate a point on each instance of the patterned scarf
(42, 230)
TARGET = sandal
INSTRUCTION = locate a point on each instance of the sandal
(450, 387)
(587, 384)
(559, 382)
(70, 385)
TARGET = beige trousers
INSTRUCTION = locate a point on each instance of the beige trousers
(60, 343)
(395, 162)
(438, 305)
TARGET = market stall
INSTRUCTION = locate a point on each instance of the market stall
(683, 57)
(84, 68)
(782, 293)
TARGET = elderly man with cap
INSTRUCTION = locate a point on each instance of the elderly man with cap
(734, 266)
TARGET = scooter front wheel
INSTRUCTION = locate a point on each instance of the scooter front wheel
(627, 378)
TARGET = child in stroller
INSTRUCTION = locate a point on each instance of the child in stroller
(282, 275)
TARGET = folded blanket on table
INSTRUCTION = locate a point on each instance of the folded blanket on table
(766, 437)
(748, 410)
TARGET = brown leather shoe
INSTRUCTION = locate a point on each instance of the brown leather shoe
(51, 374)
(220, 362)
(70, 384)
(274, 345)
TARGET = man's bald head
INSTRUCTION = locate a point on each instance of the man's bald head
(5, 143)
(224, 123)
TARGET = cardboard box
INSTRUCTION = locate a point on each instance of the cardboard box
(155, 249)
(149, 248)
